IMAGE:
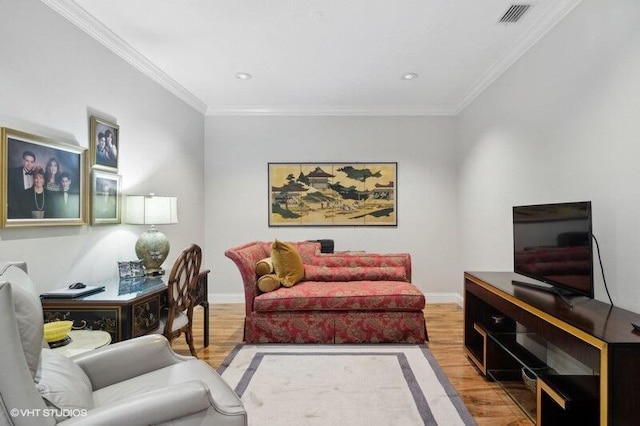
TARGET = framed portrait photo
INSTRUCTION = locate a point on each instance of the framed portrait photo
(43, 181)
(104, 143)
(106, 196)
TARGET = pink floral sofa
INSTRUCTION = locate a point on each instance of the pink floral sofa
(347, 297)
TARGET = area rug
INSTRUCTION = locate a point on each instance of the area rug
(369, 385)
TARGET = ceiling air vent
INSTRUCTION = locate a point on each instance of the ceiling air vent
(514, 13)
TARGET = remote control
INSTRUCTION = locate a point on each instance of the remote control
(636, 326)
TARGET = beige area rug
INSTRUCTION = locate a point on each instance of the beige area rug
(346, 385)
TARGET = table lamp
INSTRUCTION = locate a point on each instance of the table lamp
(152, 246)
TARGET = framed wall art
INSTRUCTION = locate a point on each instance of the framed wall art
(43, 181)
(333, 194)
(106, 198)
(104, 143)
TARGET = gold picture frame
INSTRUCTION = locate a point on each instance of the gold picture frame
(333, 194)
(106, 198)
(43, 181)
(104, 144)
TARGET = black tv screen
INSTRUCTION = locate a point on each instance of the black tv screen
(552, 243)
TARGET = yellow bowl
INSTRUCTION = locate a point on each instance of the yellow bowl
(57, 330)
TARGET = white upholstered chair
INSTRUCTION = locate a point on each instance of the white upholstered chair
(135, 382)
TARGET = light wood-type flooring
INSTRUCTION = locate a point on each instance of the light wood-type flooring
(488, 404)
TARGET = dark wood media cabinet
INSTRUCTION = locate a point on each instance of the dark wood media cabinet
(586, 358)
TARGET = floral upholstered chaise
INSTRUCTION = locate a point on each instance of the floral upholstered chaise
(349, 297)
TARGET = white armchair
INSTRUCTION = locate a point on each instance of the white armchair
(135, 382)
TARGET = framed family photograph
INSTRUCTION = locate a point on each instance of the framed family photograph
(106, 196)
(333, 194)
(104, 142)
(43, 181)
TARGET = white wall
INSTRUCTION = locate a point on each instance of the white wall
(561, 125)
(237, 150)
(53, 77)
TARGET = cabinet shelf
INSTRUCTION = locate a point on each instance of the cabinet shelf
(509, 342)
(509, 377)
(569, 399)
(475, 351)
(572, 391)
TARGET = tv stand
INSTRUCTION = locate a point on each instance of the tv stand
(562, 294)
(581, 362)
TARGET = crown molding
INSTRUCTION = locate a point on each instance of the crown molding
(540, 28)
(332, 111)
(87, 23)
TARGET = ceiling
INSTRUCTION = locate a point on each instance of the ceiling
(330, 57)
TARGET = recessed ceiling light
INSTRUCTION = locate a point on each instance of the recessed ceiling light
(410, 76)
(243, 76)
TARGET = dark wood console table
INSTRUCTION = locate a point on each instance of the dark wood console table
(126, 309)
(585, 357)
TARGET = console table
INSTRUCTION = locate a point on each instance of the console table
(126, 309)
(585, 357)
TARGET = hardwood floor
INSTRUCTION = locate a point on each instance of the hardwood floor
(488, 404)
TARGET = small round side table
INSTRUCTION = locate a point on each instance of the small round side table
(83, 341)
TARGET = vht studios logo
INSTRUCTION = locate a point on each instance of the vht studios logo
(48, 412)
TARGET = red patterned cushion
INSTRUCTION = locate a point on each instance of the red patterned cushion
(342, 273)
(362, 260)
(342, 296)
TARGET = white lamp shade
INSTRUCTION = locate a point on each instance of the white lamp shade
(151, 210)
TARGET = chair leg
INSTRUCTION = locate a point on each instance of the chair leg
(205, 305)
(189, 336)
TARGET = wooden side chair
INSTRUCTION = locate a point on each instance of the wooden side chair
(180, 296)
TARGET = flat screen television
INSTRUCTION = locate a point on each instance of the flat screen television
(552, 243)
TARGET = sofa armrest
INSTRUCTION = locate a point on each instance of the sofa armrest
(130, 358)
(153, 407)
(245, 257)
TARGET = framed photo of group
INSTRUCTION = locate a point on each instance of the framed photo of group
(42, 181)
(104, 143)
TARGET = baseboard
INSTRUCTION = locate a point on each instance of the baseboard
(433, 298)
(217, 298)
